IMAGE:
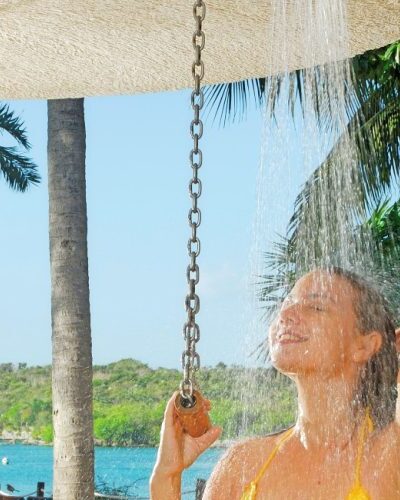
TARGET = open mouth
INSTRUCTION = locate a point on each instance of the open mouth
(290, 338)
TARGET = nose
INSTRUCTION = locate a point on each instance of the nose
(289, 314)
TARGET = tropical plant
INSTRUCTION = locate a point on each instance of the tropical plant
(17, 169)
(372, 106)
(71, 335)
(384, 226)
(375, 130)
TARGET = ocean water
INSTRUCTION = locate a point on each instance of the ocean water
(118, 467)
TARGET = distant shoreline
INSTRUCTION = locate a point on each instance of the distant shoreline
(24, 437)
(129, 402)
(9, 437)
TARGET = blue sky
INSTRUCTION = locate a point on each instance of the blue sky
(137, 178)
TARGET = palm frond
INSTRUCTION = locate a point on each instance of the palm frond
(18, 170)
(280, 273)
(13, 125)
(384, 225)
(229, 101)
(375, 130)
(311, 88)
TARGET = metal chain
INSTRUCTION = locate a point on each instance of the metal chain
(191, 330)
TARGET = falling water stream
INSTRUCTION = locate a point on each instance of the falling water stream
(294, 144)
(307, 148)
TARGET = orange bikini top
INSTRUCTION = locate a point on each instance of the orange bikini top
(357, 491)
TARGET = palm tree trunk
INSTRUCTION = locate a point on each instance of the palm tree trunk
(71, 336)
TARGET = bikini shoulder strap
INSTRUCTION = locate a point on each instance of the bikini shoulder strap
(251, 489)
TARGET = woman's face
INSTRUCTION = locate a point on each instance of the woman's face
(316, 327)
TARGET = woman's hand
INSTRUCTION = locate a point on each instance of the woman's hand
(177, 449)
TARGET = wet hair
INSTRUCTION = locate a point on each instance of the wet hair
(377, 385)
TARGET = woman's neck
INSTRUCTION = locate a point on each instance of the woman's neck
(327, 418)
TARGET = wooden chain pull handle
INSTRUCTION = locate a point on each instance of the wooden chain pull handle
(195, 420)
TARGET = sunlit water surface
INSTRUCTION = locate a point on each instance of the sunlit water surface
(119, 467)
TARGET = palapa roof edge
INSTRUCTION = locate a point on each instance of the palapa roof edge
(78, 48)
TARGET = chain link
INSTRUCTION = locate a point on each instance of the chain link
(191, 330)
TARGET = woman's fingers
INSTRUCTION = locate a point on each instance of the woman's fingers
(207, 439)
(170, 416)
(170, 411)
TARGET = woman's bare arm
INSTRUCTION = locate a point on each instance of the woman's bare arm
(177, 451)
(165, 487)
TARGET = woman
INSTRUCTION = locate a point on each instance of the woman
(334, 337)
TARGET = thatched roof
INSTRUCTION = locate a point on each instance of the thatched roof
(71, 48)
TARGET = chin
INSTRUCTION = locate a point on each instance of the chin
(292, 361)
(289, 369)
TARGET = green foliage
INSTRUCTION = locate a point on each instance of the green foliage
(129, 424)
(43, 433)
(373, 108)
(18, 170)
(384, 223)
(130, 398)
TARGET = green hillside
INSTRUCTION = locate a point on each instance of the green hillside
(130, 397)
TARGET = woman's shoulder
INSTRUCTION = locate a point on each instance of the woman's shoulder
(238, 465)
(385, 446)
(385, 451)
(391, 436)
(396, 431)
(245, 448)
(390, 433)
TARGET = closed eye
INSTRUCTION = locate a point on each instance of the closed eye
(318, 307)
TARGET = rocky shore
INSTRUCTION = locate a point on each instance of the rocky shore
(23, 437)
